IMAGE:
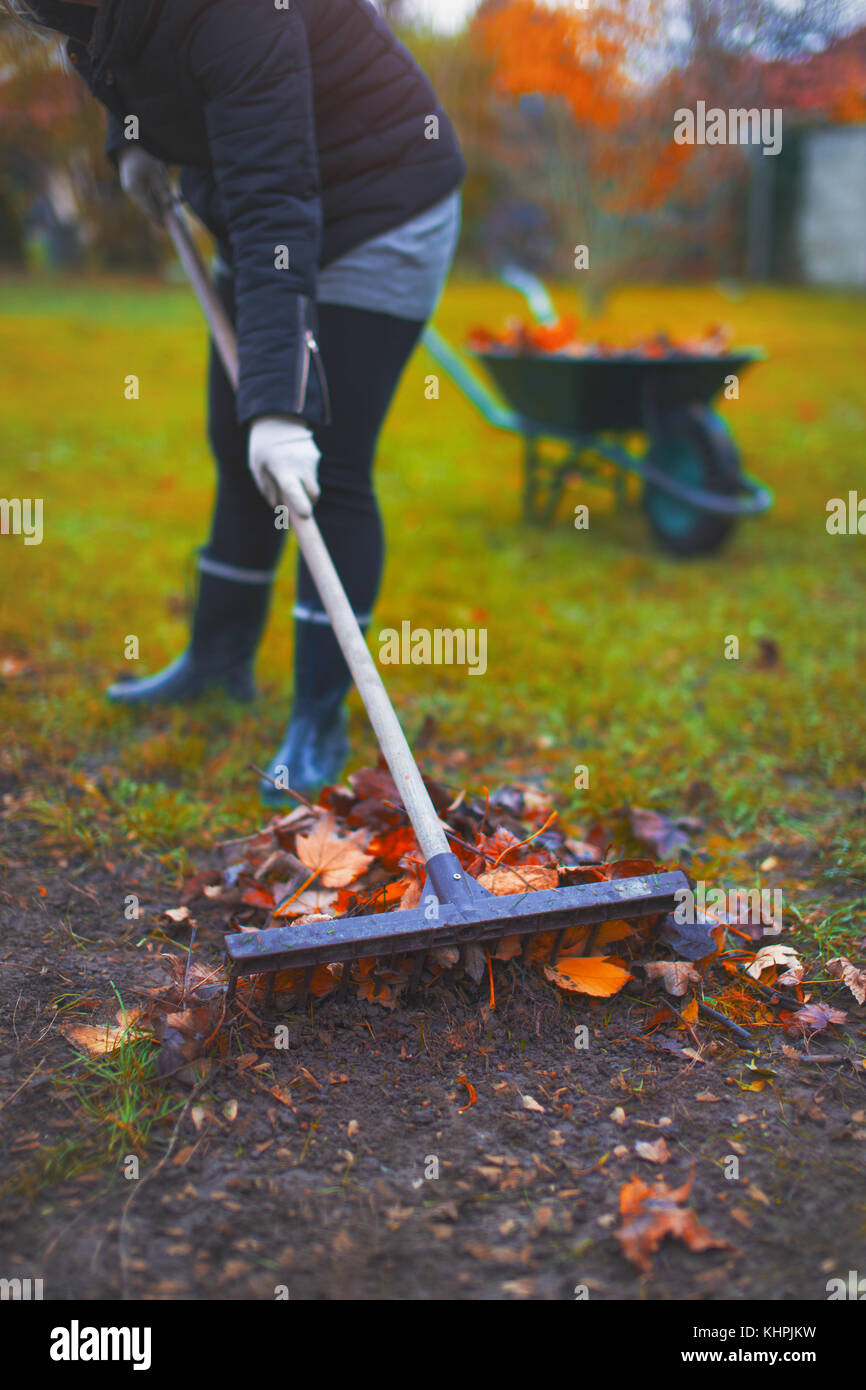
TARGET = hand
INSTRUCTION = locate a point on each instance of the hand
(145, 180)
(284, 461)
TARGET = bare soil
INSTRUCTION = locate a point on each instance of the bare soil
(321, 1186)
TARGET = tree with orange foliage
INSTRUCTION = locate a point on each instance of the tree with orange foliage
(586, 138)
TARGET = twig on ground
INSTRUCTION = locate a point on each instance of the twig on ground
(297, 795)
(742, 1034)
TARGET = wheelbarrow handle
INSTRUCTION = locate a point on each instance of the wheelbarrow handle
(392, 740)
(534, 291)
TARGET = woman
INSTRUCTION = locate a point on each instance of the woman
(315, 150)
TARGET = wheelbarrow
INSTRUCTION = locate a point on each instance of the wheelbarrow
(695, 489)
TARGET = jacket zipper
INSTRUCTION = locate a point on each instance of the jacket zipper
(320, 372)
(311, 351)
(305, 362)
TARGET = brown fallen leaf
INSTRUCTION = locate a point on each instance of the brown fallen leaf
(652, 1212)
(530, 1103)
(666, 837)
(812, 1018)
(655, 1152)
(523, 878)
(100, 1039)
(774, 954)
(840, 968)
(177, 914)
(675, 976)
(594, 975)
(337, 860)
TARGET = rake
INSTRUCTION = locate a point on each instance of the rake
(455, 910)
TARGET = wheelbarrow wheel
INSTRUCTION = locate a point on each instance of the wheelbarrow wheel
(692, 445)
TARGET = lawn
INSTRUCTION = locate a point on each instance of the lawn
(601, 650)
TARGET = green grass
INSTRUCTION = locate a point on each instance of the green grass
(601, 650)
(117, 1102)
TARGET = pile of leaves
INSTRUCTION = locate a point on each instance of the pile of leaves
(521, 337)
(354, 852)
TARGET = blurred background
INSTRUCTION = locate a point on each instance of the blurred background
(566, 116)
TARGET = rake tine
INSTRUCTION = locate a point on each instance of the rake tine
(417, 970)
(557, 946)
(305, 987)
(232, 989)
(268, 996)
(343, 986)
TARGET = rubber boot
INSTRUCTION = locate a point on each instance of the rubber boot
(230, 614)
(316, 746)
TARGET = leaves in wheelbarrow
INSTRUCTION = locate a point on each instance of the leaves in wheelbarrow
(521, 337)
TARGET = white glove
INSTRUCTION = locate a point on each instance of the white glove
(145, 180)
(284, 461)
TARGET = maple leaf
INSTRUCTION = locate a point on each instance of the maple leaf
(652, 1212)
(336, 860)
(588, 975)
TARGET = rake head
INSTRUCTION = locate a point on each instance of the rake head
(455, 910)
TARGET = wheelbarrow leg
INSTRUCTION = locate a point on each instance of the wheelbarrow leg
(543, 483)
(531, 481)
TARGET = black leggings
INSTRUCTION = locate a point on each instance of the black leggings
(363, 355)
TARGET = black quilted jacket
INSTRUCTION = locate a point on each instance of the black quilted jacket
(307, 128)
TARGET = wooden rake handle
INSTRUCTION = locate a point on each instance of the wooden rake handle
(392, 740)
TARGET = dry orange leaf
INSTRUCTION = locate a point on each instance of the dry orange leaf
(689, 1012)
(336, 860)
(588, 975)
(522, 878)
(471, 1091)
(99, 1039)
(651, 1212)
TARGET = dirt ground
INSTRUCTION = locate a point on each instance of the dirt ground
(320, 1185)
